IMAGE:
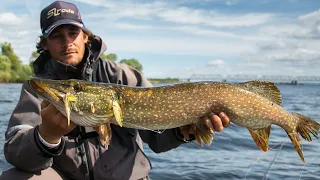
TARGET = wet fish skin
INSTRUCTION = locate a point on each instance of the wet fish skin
(253, 104)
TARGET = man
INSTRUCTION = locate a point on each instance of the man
(40, 144)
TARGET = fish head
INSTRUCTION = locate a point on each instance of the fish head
(81, 97)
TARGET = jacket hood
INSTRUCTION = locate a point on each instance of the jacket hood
(45, 65)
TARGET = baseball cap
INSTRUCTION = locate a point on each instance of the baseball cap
(59, 13)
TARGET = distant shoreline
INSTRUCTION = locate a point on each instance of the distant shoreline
(11, 82)
(164, 81)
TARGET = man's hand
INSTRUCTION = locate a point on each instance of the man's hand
(54, 124)
(213, 122)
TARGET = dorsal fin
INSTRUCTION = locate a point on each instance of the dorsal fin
(264, 88)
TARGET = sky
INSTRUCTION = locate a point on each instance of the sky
(183, 37)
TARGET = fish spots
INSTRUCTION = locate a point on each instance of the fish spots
(177, 105)
(149, 93)
(129, 93)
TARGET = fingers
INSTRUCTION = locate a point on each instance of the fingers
(59, 118)
(225, 119)
(208, 124)
(52, 116)
(191, 129)
(63, 122)
(216, 121)
(48, 111)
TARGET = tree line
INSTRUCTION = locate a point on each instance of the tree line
(13, 70)
(11, 67)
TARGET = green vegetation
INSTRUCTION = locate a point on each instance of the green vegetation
(131, 62)
(11, 67)
(164, 81)
(111, 57)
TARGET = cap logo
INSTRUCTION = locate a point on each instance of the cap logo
(57, 12)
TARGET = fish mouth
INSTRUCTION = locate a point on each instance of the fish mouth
(42, 89)
(51, 92)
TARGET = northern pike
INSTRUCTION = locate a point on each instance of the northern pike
(253, 104)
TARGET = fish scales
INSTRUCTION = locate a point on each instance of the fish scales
(182, 104)
(255, 105)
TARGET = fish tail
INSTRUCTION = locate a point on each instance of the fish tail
(305, 127)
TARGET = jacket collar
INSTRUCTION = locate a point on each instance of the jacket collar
(46, 67)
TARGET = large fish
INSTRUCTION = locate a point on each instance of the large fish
(253, 104)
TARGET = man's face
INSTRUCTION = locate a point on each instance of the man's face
(66, 43)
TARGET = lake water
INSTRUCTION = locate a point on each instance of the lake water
(232, 155)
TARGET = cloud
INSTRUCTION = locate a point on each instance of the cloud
(278, 45)
(216, 63)
(186, 15)
(215, 2)
(310, 19)
(177, 14)
(21, 31)
(121, 9)
(253, 40)
(301, 57)
(305, 26)
(220, 34)
(232, 2)
(131, 26)
(288, 57)
(10, 19)
(174, 46)
(206, 32)
(294, 45)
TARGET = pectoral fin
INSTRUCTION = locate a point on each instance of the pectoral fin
(67, 99)
(117, 112)
(105, 133)
(261, 137)
(67, 109)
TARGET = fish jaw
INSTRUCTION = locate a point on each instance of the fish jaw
(54, 93)
(42, 89)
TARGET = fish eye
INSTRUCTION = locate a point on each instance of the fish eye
(77, 87)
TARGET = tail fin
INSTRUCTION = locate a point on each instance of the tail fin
(305, 126)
